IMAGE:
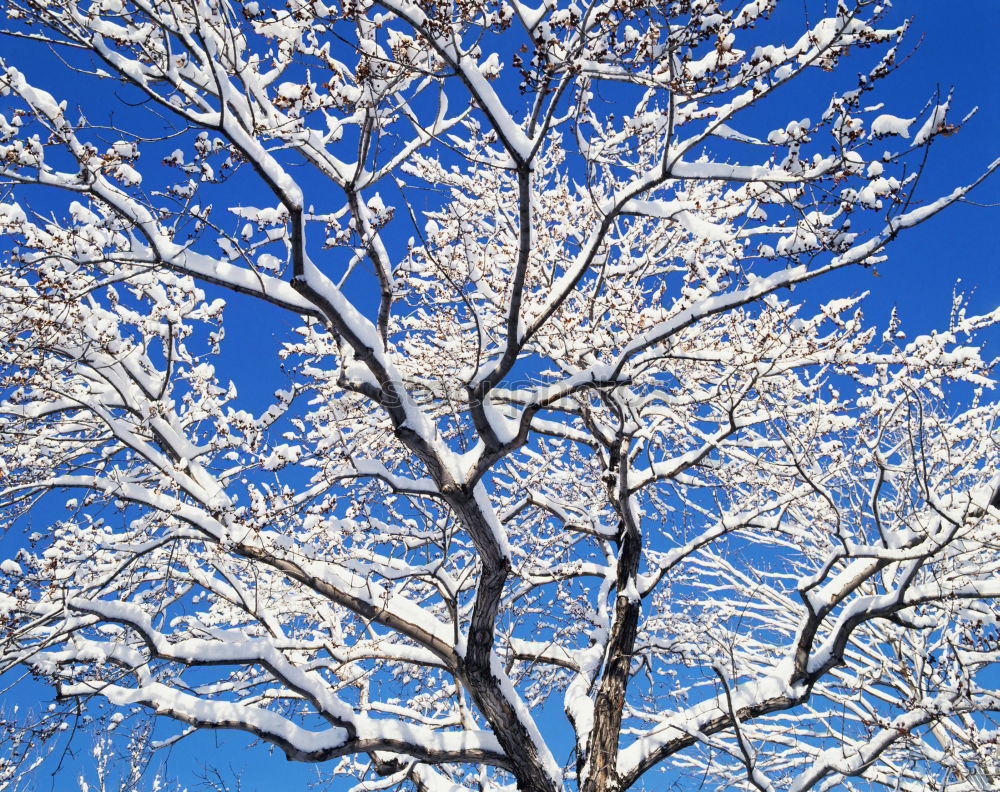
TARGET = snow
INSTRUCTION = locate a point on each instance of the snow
(81, 214)
(282, 455)
(727, 132)
(934, 123)
(506, 429)
(127, 175)
(681, 212)
(124, 149)
(10, 567)
(289, 90)
(220, 714)
(886, 124)
(11, 215)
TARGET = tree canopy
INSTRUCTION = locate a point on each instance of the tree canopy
(557, 483)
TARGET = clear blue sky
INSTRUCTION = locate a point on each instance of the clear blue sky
(959, 49)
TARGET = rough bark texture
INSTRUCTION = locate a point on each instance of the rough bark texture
(600, 767)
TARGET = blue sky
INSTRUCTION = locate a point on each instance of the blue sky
(958, 49)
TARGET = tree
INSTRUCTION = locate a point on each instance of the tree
(558, 467)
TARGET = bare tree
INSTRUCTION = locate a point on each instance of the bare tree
(550, 425)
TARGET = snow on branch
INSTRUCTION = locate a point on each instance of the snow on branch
(422, 388)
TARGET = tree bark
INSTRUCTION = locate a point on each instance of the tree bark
(600, 765)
